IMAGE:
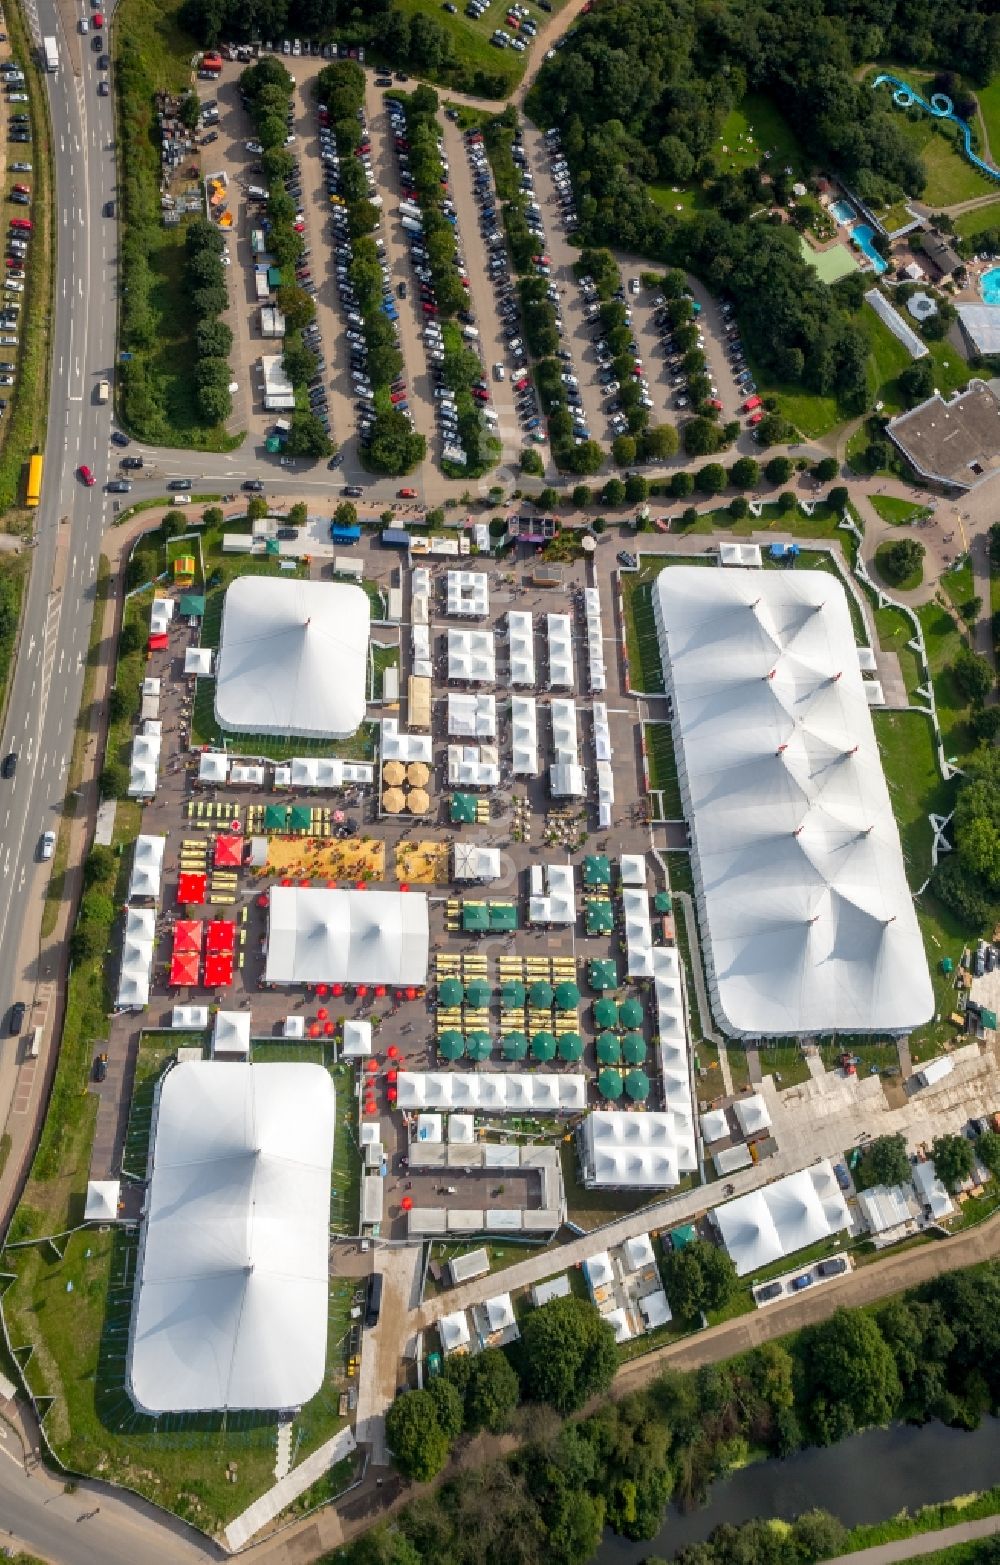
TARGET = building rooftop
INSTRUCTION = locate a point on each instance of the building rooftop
(955, 442)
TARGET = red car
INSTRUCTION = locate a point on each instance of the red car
(716, 404)
(86, 476)
(24, 190)
(429, 309)
(397, 396)
(98, 19)
(756, 418)
(542, 260)
(480, 396)
(23, 223)
(406, 494)
(751, 403)
(520, 385)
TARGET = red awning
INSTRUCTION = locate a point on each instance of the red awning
(158, 643)
(218, 969)
(221, 935)
(191, 886)
(229, 851)
(184, 968)
(187, 934)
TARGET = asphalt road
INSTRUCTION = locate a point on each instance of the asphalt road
(48, 676)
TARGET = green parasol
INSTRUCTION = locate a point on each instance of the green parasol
(541, 995)
(637, 1086)
(543, 1046)
(609, 1050)
(478, 993)
(633, 1048)
(450, 992)
(451, 1045)
(602, 974)
(609, 1084)
(567, 997)
(479, 1045)
(630, 1013)
(514, 1046)
(512, 995)
(605, 1012)
(570, 1046)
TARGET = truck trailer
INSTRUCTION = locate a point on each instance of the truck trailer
(51, 53)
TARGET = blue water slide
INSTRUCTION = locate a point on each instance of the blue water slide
(940, 107)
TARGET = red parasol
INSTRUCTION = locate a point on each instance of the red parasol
(286, 881)
(321, 989)
(392, 1074)
(379, 991)
(329, 1029)
(359, 885)
(305, 881)
(411, 994)
(371, 1106)
(337, 989)
(403, 886)
(407, 1203)
(262, 899)
(392, 1094)
(371, 1066)
(393, 1052)
(331, 885)
(322, 1013)
(313, 1030)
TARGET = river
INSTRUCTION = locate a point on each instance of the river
(865, 1479)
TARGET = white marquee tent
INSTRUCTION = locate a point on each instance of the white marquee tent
(147, 867)
(467, 594)
(783, 1217)
(281, 643)
(562, 675)
(472, 716)
(474, 862)
(752, 1114)
(541, 1092)
(472, 656)
(798, 872)
(524, 735)
(643, 1151)
(323, 936)
(232, 1280)
(521, 647)
(137, 958)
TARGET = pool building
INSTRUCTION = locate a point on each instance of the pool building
(953, 444)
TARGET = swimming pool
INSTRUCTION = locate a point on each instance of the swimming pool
(989, 285)
(863, 236)
(842, 211)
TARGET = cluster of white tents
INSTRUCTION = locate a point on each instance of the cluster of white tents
(147, 868)
(541, 1092)
(788, 1215)
(472, 656)
(474, 862)
(562, 673)
(595, 638)
(566, 775)
(638, 932)
(467, 594)
(137, 958)
(524, 735)
(552, 894)
(405, 747)
(144, 763)
(473, 766)
(605, 772)
(472, 716)
(636, 1151)
(809, 921)
(675, 1051)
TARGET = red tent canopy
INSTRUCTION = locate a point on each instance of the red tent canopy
(158, 643)
(337, 989)
(229, 851)
(218, 969)
(328, 1029)
(187, 934)
(184, 968)
(221, 935)
(191, 885)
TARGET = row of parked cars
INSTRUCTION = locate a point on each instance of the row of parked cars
(742, 374)
(343, 250)
(559, 169)
(19, 233)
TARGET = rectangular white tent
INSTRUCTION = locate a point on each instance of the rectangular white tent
(638, 933)
(524, 736)
(327, 771)
(595, 638)
(357, 1038)
(198, 661)
(793, 1212)
(562, 674)
(102, 1201)
(467, 594)
(405, 747)
(137, 958)
(567, 780)
(472, 716)
(232, 1277)
(323, 936)
(809, 921)
(231, 1035)
(752, 1115)
(540, 1092)
(472, 656)
(473, 766)
(189, 1018)
(147, 867)
(145, 764)
(521, 647)
(474, 862)
(602, 732)
(213, 766)
(642, 1151)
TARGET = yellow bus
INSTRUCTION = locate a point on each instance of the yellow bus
(34, 481)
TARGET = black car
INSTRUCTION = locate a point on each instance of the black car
(16, 1018)
(118, 486)
(9, 766)
(630, 561)
(119, 438)
(335, 461)
(179, 483)
(100, 1066)
(352, 491)
(287, 532)
(770, 1290)
(834, 1268)
(131, 461)
(253, 485)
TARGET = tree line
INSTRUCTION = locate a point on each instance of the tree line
(931, 1353)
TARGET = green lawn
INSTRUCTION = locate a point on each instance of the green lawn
(785, 1061)
(473, 52)
(989, 108)
(886, 362)
(958, 585)
(895, 633)
(951, 372)
(950, 177)
(642, 643)
(592, 1208)
(754, 127)
(155, 1050)
(916, 787)
(898, 513)
(884, 1056)
(663, 767)
(345, 1193)
(942, 640)
(981, 218)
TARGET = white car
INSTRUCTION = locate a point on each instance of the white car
(498, 371)
(48, 844)
(84, 25)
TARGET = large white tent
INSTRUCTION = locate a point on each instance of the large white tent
(322, 936)
(783, 1217)
(795, 852)
(541, 1092)
(521, 646)
(641, 1151)
(147, 867)
(294, 657)
(232, 1279)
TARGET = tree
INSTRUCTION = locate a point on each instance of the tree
(986, 723)
(658, 443)
(448, 1406)
(711, 479)
(209, 301)
(744, 473)
(531, 462)
(916, 382)
(899, 560)
(569, 1353)
(416, 1439)
(298, 361)
(346, 514)
(786, 502)
(257, 508)
(623, 449)
(885, 1162)
(131, 638)
(492, 1392)
(546, 498)
(778, 470)
(88, 940)
(849, 1374)
(681, 485)
(826, 470)
(701, 437)
(212, 516)
(698, 1278)
(581, 497)
(114, 779)
(636, 489)
(953, 1158)
(973, 674)
(772, 430)
(298, 514)
(837, 498)
(739, 508)
(100, 864)
(214, 403)
(613, 492)
(307, 437)
(295, 305)
(988, 1148)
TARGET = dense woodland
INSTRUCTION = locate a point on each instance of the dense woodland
(934, 1353)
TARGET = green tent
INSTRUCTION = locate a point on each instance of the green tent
(450, 992)
(609, 1084)
(275, 817)
(602, 974)
(605, 1012)
(570, 1046)
(567, 997)
(451, 1045)
(191, 604)
(478, 993)
(663, 902)
(475, 918)
(609, 1050)
(479, 1045)
(541, 995)
(512, 995)
(684, 1235)
(301, 817)
(503, 916)
(633, 1048)
(463, 809)
(630, 1013)
(596, 870)
(514, 1046)
(637, 1086)
(599, 917)
(543, 1046)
